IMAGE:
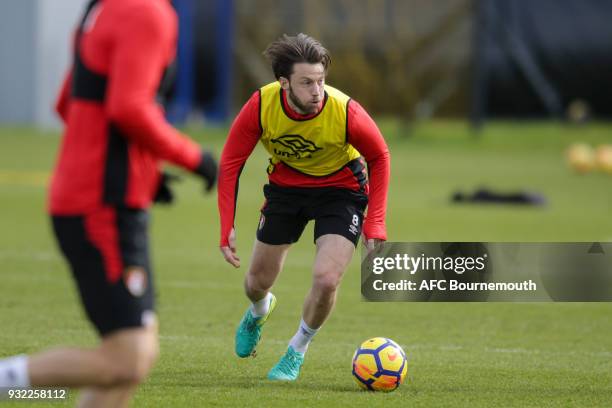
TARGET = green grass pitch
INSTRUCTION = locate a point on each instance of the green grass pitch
(471, 354)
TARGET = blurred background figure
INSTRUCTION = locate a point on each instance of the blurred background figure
(106, 177)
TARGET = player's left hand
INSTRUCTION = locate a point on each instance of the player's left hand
(207, 169)
(164, 194)
(372, 244)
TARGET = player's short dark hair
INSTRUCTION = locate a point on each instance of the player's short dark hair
(287, 50)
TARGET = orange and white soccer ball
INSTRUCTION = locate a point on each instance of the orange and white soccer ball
(379, 364)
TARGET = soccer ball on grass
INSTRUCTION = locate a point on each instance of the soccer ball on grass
(379, 364)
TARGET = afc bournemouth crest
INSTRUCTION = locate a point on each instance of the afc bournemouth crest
(136, 282)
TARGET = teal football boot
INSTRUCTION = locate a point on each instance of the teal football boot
(249, 330)
(288, 367)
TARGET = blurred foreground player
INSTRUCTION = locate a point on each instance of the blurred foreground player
(106, 177)
(317, 138)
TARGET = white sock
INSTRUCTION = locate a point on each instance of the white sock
(14, 372)
(302, 337)
(261, 307)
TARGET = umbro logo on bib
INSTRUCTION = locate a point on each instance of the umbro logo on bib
(294, 146)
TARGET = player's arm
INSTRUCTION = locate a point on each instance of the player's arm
(241, 141)
(63, 98)
(365, 136)
(144, 45)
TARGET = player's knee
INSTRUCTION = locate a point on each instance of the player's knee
(130, 365)
(326, 283)
(257, 283)
(136, 369)
(145, 361)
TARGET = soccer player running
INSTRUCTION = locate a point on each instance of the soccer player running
(317, 138)
(105, 179)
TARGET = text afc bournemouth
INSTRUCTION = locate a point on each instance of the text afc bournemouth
(452, 285)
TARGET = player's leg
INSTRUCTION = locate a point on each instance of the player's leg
(338, 218)
(108, 254)
(122, 360)
(334, 253)
(127, 323)
(132, 350)
(279, 227)
(123, 357)
(337, 231)
(266, 263)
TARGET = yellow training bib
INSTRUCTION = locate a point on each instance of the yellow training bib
(317, 146)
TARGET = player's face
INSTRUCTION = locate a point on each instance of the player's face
(305, 87)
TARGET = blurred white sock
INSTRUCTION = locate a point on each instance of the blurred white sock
(14, 372)
(302, 337)
(261, 307)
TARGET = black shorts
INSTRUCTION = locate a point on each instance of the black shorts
(287, 210)
(108, 253)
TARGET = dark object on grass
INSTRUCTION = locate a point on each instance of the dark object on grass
(484, 195)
